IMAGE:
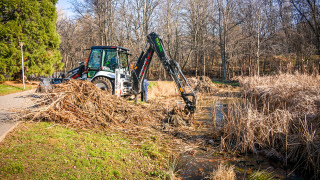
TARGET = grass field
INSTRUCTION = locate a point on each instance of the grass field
(50, 151)
(8, 89)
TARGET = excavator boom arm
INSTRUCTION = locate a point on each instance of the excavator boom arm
(172, 68)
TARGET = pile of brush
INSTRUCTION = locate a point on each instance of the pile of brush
(202, 84)
(81, 104)
(279, 115)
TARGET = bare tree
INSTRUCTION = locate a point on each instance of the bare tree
(309, 11)
(211, 37)
(196, 18)
(228, 20)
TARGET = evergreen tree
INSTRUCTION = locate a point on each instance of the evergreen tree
(33, 22)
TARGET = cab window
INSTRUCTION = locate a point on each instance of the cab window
(110, 59)
(95, 59)
(124, 59)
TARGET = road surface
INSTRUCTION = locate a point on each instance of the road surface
(9, 106)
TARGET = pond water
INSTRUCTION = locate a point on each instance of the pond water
(199, 162)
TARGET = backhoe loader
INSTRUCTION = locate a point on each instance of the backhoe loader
(108, 68)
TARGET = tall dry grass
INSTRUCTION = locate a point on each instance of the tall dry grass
(163, 89)
(278, 115)
(223, 172)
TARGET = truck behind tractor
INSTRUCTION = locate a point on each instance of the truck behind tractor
(108, 68)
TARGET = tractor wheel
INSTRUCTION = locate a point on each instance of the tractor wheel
(103, 83)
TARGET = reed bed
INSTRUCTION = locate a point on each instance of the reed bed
(278, 116)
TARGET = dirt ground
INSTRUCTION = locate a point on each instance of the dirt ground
(20, 84)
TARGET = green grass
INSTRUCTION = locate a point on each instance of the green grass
(7, 89)
(152, 84)
(232, 83)
(47, 151)
(261, 175)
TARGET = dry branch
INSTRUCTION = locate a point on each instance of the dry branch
(81, 104)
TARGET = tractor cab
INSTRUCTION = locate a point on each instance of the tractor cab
(107, 59)
(108, 68)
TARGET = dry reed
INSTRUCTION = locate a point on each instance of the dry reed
(223, 173)
(279, 115)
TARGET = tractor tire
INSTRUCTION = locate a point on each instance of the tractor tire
(103, 83)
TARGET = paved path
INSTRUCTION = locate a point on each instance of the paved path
(9, 105)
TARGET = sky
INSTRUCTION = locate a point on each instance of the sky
(65, 5)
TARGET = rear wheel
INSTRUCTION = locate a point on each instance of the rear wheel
(103, 83)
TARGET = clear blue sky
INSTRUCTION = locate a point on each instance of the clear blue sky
(65, 5)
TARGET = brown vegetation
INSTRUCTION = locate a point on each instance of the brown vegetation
(223, 173)
(279, 116)
(81, 104)
(163, 89)
(202, 84)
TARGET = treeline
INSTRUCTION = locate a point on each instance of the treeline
(217, 38)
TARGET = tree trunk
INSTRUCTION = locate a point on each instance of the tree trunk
(196, 64)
